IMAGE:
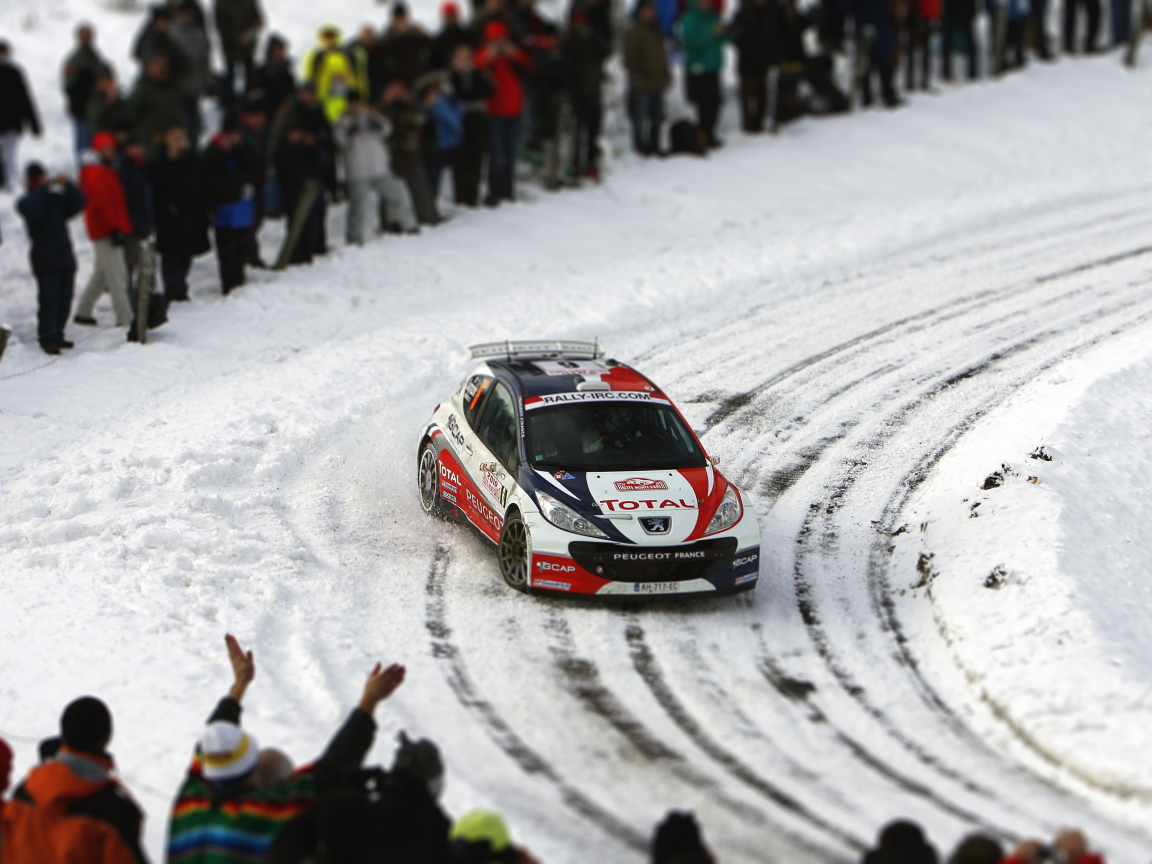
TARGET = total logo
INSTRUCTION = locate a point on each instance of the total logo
(448, 474)
(640, 484)
(549, 567)
(614, 504)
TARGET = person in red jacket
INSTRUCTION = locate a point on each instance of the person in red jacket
(921, 20)
(506, 62)
(1070, 847)
(106, 217)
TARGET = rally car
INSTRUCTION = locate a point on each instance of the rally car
(585, 476)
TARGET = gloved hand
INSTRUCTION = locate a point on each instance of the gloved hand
(117, 238)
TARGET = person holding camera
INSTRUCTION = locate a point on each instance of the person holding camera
(1069, 847)
(46, 210)
(106, 218)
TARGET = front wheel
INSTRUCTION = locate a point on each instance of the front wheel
(514, 552)
(428, 482)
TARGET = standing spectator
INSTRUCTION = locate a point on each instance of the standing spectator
(155, 104)
(46, 210)
(189, 34)
(703, 34)
(586, 50)
(506, 63)
(360, 135)
(1017, 21)
(220, 814)
(231, 172)
(108, 111)
(678, 839)
(1072, 10)
(920, 21)
(254, 128)
(754, 35)
(793, 63)
(304, 152)
(646, 61)
(17, 113)
(882, 58)
(977, 849)
(181, 212)
(1121, 16)
(445, 127)
(1042, 41)
(138, 199)
(474, 89)
(83, 68)
(73, 808)
(902, 842)
(406, 145)
(829, 20)
(1070, 847)
(369, 57)
(481, 835)
(274, 78)
(958, 32)
(106, 217)
(406, 48)
(332, 69)
(155, 40)
(452, 35)
(239, 23)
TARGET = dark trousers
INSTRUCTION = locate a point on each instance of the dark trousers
(1121, 21)
(1038, 12)
(704, 93)
(174, 269)
(231, 246)
(589, 113)
(231, 92)
(313, 238)
(466, 163)
(54, 294)
(1071, 24)
(952, 31)
(917, 51)
(502, 159)
(647, 114)
(753, 101)
(1014, 44)
(884, 69)
(415, 177)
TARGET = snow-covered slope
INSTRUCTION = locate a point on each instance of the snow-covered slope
(835, 308)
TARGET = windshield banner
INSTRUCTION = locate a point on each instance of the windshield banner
(593, 396)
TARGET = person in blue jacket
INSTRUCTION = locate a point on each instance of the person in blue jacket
(877, 16)
(446, 113)
(46, 210)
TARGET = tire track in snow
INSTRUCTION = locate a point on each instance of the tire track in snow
(497, 728)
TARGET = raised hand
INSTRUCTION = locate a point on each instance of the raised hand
(381, 684)
(243, 667)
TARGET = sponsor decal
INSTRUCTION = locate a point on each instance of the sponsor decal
(571, 367)
(451, 487)
(563, 475)
(656, 587)
(482, 510)
(448, 474)
(614, 504)
(454, 430)
(687, 555)
(448, 495)
(488, 467)
(747, 559)
(592, 396)
(555, 586)
(496, 488)
(555, 568)
(748, 578)
(640, 484)
(470, 387)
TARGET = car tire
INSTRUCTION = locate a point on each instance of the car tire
(515, 552)
(428, 482)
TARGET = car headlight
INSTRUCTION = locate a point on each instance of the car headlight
(728, 513)
(566, 518)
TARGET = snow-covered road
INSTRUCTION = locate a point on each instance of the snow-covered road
(835, 310)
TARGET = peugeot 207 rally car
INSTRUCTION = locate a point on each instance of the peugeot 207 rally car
(586, 476)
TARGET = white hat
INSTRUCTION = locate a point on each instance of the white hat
(227, 752)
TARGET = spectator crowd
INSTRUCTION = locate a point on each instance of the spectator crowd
(379, 119)
(240, 803)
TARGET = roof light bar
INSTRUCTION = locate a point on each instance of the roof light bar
(541, 350)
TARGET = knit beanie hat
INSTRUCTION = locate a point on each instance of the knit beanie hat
(86, 725)
(227, 753)
(421, 760)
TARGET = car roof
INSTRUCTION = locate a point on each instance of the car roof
(540, 377)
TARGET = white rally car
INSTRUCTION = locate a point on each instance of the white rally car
(586, 476)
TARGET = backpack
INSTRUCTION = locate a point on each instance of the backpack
(687, 137)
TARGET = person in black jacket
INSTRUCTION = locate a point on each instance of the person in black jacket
(181, 212)
(155, 39)
(958, 24)
(82, 69)
(586, 50)
(46, 210)
(474, 88)
(17, 113)
(138, 197)
(304, 152)
(452, 35)
(755, 38)
(231, 172)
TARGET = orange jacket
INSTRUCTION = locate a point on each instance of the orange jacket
(58, 817)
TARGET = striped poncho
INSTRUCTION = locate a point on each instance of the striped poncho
(236, 824)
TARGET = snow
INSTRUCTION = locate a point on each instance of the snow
(831, 307)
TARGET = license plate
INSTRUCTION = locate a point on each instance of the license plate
(656, 587)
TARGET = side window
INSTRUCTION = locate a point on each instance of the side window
(498, 427)
(475, 389)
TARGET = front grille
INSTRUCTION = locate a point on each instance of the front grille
(653, 563)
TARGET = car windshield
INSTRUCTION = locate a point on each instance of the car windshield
(615, 436)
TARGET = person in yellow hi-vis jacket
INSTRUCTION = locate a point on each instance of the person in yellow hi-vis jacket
(335, 70)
